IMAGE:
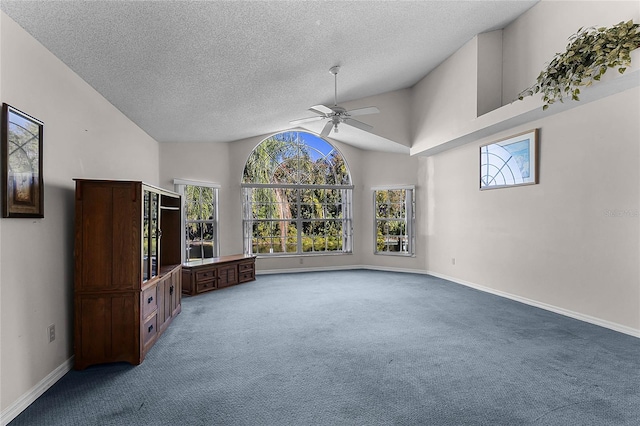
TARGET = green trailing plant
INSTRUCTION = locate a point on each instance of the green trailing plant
(590, 52)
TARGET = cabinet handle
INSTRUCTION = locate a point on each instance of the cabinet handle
(150, 328)
(150, 299)
(171, 290)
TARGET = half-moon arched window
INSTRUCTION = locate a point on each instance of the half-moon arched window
(296, 197)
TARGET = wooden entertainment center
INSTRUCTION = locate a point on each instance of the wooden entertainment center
(127, 286)
(202, 275)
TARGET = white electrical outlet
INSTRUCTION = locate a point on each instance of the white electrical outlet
(301, 261)
(453, 260)
(52, 332)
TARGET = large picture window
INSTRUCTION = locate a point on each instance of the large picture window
(297, 197)
(200, 234)
(394, 220)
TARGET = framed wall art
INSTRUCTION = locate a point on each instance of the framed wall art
(510, 162)
(22, 182)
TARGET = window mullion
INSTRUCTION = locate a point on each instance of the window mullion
(299, 221)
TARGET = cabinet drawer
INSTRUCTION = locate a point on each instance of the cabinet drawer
(149, 302)
(149, 329)
(246, 276)
(243, 267)
(205, 286)
(205, 275)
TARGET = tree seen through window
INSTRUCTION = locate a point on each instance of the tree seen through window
(297, 197)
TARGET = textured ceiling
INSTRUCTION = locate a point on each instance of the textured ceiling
(219, 71)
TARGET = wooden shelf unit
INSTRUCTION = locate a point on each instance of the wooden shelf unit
(128, 278)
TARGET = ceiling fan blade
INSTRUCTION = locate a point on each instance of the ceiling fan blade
(321, 109)
(363, 111)
(306, 120)
(326, 129)
(359, 124)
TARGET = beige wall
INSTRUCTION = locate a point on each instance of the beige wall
(383, 169)
(554, 244)
(489, 69)
(393, 121)
(557, 242)
(446, 99)
(206, 162)
(84, 136)
(445, 103)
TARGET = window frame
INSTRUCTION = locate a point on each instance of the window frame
(346, 203)
(409, 219)
(347, 220)
(180, 186)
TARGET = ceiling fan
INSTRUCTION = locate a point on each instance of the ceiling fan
(336, 114)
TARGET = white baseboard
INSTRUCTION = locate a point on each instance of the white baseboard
(575, 315)
(394, 269)
(34, 393)
(341, 268)
(571, 314)
(311, 269)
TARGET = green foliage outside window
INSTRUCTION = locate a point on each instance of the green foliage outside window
(391, 219)
(200, 221)
(295, 187)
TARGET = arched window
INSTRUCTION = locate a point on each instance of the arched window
(296, 197)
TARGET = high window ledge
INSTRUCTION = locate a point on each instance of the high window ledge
(527, 110)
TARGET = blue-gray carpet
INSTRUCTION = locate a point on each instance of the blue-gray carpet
(359, 348)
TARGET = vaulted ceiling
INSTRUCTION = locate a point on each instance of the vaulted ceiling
(219, 71)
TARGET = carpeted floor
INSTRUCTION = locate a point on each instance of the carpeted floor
(359, 348)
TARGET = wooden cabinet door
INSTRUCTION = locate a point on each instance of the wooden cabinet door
(164, 311)
(227, 275)
(176, 291)
(168, 297)
(150, 235)
(105, 329)
(107, 238)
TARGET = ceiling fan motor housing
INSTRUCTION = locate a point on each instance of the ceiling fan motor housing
(339, 112)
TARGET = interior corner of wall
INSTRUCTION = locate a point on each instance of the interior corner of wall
(489, 72)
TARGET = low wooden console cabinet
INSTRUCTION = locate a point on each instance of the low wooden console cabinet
(202, 275)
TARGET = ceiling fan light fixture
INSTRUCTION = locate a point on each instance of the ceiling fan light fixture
(337, 114)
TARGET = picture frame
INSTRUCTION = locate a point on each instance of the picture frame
(510, 162)
(22, 179)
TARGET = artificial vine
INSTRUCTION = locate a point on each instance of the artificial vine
(590, 52)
